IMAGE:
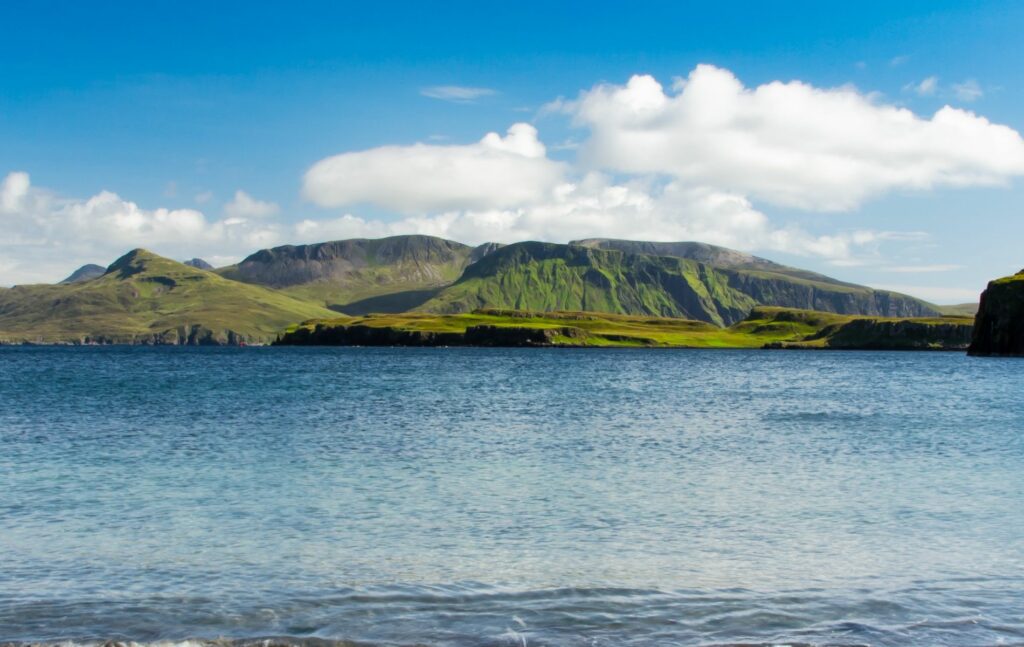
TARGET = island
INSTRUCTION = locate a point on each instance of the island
(764, 327)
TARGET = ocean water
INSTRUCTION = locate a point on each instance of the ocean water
(512, 497)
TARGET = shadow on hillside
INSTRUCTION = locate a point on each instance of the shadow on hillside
(387, 303)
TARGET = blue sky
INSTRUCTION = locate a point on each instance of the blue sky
(176, 107)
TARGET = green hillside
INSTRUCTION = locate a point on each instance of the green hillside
(360, 275)
(686, 279)
(765, 327)
(545, 276)
(718, 257)
(145, 298)
(960, 309)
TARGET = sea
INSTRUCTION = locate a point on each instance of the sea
(509, 497)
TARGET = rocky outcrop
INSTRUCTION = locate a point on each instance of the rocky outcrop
(999, 324)
(875, 334)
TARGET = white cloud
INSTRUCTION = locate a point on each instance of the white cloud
(47, 236)
(788, 144)
(203, 197)
(245, 206)
(968, 91)
(496, 172)
(693, 164)
(598, 207)
(896, 61)
(925, 88)
(456, 93)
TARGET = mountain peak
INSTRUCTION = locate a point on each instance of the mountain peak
(85, 273)
(199, 264)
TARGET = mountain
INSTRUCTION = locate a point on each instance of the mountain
(199, 264)
(145, 298)
(546, 276)
(343, 274)
(999, 324)
(84, 273)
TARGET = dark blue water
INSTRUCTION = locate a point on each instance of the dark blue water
(511, 497)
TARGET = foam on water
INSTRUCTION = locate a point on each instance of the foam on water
(478, 497)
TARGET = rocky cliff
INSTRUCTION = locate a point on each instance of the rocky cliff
(999, 324)
(598, 278)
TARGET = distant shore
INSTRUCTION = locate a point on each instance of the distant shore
(771, 328)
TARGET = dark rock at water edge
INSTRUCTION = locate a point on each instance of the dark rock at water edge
(483, 335)
(999, 324)
(875, 334)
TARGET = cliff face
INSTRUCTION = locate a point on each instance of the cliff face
(873, 334)
(598, 278)
(782, 291)
(999, 324)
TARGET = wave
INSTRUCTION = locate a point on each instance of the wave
(470, 615)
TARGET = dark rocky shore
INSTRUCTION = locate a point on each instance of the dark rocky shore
(999, 324)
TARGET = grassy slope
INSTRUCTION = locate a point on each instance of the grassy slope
(422, 273)
(549, 277)
(142, 297)
(959, 310)
(799, 328)
(546, 277)
(355, 270)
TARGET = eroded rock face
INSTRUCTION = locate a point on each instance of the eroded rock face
(999, 324)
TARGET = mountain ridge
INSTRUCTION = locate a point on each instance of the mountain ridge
(343, 271)
(145, 298)
(584, 277)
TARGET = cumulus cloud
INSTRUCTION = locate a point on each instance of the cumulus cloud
(788, 144)
(456, 93)
(46, 236)
(245, 206)
(699, 162)
(597, 206)
(494, 173)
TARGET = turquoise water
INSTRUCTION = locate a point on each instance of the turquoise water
(510, 497)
